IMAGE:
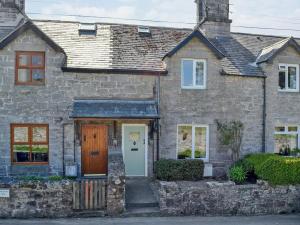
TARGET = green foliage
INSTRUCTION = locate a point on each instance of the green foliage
(55, 178)
(187, 154)
(231, 135)
(275, 169)
(31, 178)
(238, 174)
(176, 170)
(38, 178)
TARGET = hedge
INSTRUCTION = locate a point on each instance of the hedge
(275, 169)
(179, 170)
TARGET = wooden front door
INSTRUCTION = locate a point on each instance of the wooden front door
(94, 149)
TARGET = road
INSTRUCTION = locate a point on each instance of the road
(259, 220)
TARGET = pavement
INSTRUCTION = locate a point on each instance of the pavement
(258, 220)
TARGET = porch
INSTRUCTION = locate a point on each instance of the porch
(103, 127)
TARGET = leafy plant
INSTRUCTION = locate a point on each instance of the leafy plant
(237, 174)
(173, 170)
(55, 178)
(231, 135)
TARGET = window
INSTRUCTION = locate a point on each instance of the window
(193, 74)
(288, 77)
(192, 142)
(29, 143)
(30, 68)
(286, 137)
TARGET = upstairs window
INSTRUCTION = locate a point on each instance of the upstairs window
(193, 74)
(30, 68)
(288, 77)
(30, 143)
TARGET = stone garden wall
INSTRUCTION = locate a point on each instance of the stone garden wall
(33, 199)
(227, 199)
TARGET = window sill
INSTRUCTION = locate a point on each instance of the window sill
(193, 88)
(30, 164)
(288, 91)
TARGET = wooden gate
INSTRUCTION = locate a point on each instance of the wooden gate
(89, 195)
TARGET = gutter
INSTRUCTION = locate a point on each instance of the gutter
(115, 71)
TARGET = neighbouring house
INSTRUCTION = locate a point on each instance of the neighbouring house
(72, 93)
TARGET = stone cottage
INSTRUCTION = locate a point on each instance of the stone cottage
(71, 93)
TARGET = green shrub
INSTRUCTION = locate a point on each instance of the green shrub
(176, 170)
(31, 178)
(275, 169)
(237, 174)
(55, 178)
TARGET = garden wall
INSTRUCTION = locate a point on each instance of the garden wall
(34, 199)
(227, 199)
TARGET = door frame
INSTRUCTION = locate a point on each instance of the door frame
(146, 144)
(81, 154)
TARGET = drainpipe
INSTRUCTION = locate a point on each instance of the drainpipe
(63, 148)
(264, 115)
(157, 122)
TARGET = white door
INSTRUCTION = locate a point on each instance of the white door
(135, 149)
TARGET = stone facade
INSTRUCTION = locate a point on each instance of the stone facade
(9, 15)
(52, 103)
(37, 200)
(225, 98)
(282, 108)
(227, 199)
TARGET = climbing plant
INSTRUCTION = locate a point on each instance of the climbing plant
(231, 134)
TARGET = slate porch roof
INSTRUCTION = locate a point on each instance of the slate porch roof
(112, 109)
(118, 47)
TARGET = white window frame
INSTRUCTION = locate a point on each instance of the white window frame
(287, 132)
(287, 89)
(206, 159)
(194, 74)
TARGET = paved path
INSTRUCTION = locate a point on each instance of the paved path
(261, 220)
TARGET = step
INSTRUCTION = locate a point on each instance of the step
(142, 212)
(142, 205)
(89, 213)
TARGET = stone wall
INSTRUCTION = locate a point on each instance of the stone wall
(115, 184)
(227, 199)
(225, 98)
(37, 200)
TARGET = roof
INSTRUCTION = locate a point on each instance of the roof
(269, 52)
(126, 109)
(197, 34)
(119, 48)
(24, 26)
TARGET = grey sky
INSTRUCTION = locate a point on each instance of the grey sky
(261, 13)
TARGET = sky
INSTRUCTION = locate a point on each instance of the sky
(178, 13)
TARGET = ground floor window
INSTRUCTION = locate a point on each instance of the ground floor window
(30, 143)
(286, 138)
(192, 142)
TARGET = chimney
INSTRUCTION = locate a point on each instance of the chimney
(213, 17)
(11, 12)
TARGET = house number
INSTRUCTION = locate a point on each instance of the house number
(4, 193)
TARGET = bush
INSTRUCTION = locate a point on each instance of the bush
(275, 169)
(237, 174)
(176, 170)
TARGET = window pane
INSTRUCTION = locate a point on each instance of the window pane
(292, 77)
(40, 153)
(199, 73)
(21, 134)
(184, 142)
(280, 129)
(21, 153)
(200, 142)
(39, 134)
(283, 141)
(293, 129)
(187, 72)
(281, 80)
(37, 60)
(24, 75)
(38, 76)
(24, 60)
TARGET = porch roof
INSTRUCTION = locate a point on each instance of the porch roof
(115, 109)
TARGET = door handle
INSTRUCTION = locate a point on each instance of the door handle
(95, 153)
